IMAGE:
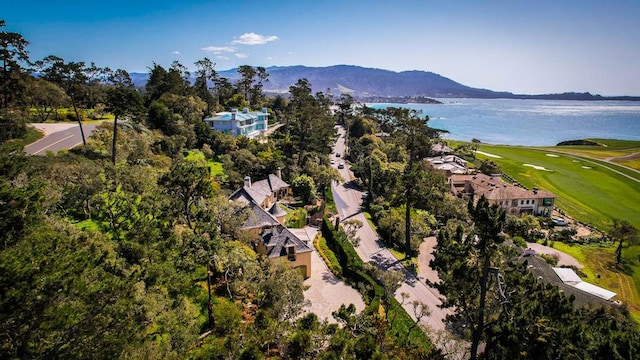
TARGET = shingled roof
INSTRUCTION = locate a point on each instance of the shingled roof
(259, 190)
(493, 188)
(258, 217)
(278, 238)
(276, 210)
(543, 271)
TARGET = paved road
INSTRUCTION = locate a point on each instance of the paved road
(563, 258)
(66, 138)
(371, 249)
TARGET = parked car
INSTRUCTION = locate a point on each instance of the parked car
(559, 222)
(332, 161)
(341, 165)
(337, 154)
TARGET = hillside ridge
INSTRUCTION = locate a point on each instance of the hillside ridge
(362, 83)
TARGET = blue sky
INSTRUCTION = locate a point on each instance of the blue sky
(530, 47)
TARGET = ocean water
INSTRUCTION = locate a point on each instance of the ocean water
(531, 122)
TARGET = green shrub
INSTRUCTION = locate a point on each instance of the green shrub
(518, 240)
(296, 219)
(354, 272)
(550, 259)
(227, 316)
(328, 256)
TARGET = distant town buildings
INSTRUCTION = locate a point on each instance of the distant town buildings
(266, 222)
(246, 123)
(514, 199)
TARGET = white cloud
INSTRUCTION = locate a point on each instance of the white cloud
(175, 52)
(221, 57)
(252, 38)
(241, 55)
(218, 49)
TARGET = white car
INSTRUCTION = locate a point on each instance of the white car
(559, 222)
(340, 165)
(332, 161)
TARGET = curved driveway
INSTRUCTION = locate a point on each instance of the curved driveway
(326, 293)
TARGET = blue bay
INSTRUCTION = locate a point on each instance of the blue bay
(531, 122)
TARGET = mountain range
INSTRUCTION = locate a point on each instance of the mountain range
(367, 84)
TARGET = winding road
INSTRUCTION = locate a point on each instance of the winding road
(58, 137)
(371, 249)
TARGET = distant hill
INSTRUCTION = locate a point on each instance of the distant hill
(368, 83)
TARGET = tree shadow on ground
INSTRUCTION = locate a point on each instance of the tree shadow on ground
(330, 278)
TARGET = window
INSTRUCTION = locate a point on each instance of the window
(291, 253)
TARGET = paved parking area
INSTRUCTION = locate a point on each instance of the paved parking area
(326, 292)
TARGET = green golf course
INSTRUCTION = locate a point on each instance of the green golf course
(592, 189)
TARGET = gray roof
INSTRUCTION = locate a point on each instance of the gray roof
(258, 218)
(278, 238)
(277, 210)
(259, 190)
(542, 270)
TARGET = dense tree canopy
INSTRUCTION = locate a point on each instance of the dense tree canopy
(128, 247)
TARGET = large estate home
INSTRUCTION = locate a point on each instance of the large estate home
(265, 223)
(450, 164)
(246, 123)
(515, 199)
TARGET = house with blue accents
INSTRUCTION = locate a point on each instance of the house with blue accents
(246, 123)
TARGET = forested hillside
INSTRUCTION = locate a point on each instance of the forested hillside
(379, 85)
(127, 246)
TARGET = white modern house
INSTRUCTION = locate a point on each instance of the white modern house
(246, 123)
(450, 164)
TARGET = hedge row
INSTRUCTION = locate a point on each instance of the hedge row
(352, 266)
(328, 256)
(353, 272)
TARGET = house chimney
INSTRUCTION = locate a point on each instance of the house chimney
(247, 181)
(279, 173)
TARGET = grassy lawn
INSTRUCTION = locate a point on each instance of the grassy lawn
(591, 193)
(31, 136)
(602, 271)
(609, 149)
(68, 114)
(88, 224)
(214, 166)
(586, 191)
